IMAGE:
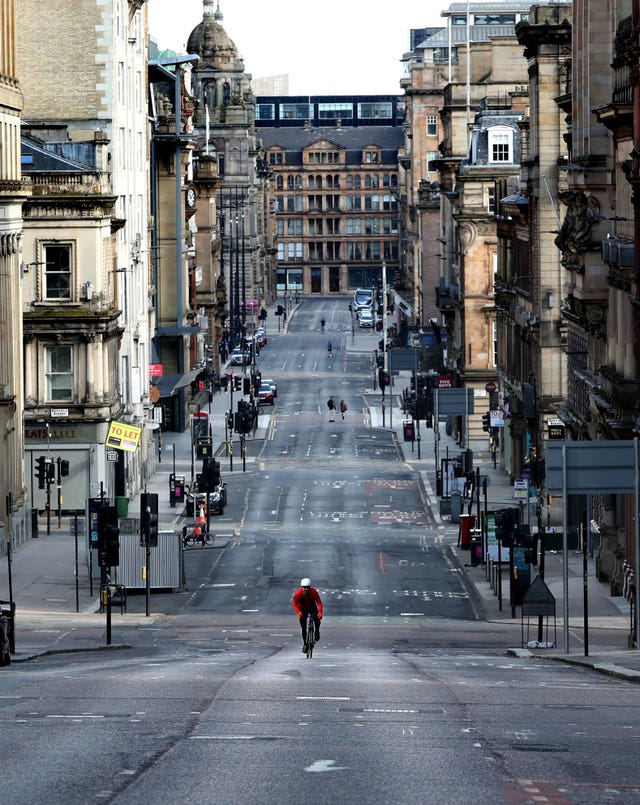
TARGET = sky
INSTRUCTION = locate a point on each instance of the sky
(337, 47)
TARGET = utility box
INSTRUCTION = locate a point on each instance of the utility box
(166, 569)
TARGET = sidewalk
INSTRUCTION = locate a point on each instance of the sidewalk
(44, 580)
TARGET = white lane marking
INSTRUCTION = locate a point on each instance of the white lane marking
(324, 765)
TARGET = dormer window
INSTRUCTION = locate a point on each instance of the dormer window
(500, 145)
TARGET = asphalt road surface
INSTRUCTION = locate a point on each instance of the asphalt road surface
(409, 698)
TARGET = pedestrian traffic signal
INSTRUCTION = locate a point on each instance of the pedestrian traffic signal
(486, 422)
(41, 471)
(108, 537)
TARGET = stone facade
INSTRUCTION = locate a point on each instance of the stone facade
(14, 522)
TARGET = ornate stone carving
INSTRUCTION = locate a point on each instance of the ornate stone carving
(574, 238)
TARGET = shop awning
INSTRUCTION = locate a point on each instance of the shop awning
(169, 384)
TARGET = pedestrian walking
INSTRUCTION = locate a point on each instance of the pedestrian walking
(330, 349)
(331, 405)
(343, 408)
(322, 324)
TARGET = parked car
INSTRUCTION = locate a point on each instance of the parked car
(260, 336)
(365, 319)
(271, 383)
(239, 357)
(265, 395)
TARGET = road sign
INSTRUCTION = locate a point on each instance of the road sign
(491, 387)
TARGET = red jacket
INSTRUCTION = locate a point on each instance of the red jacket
(304, 603)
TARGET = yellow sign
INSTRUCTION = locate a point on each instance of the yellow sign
(123, 436)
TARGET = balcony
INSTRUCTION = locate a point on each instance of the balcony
(619, 389)
(447, 296)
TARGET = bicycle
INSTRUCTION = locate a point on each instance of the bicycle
(310, 635)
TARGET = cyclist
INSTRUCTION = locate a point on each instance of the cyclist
(322, 324)
(330, 349)
(307, 599)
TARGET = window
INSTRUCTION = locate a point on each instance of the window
(491, 200)
(59, 373)
(57, 271)
(294, 251)
(500, 144)
(279, 182)
(294, 226)
(432, 125)
(380, 109)
(370, 157)
(354, 202)
(335, 111)
(354, 226)
(265, 111)
(276, 158)
(280, 227)
(296, 111)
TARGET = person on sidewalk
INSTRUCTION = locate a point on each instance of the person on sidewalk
(343, 408)
(331, 405)
(330, 349)
(322, 324)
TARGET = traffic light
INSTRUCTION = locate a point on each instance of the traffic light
(237, 382)
(246, 385)
(230, 420)
(506, 522)
(211, 474)
(149, 519)
(486, 422)
(108, 537)
(64, 468)
(41, 471)
(279, 310)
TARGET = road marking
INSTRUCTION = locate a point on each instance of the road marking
(324, 765)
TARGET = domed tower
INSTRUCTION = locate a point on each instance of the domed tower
(219, 80)
(225, 130)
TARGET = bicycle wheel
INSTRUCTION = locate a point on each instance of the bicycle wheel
(310, 639)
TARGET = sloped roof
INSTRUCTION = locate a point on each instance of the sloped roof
(352, 139)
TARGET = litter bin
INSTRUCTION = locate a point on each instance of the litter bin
(476, 551)
(456, 506)
(122, 505)
(176, 489)
(7, 631)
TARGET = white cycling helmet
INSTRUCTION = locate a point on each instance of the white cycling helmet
(305, 583)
